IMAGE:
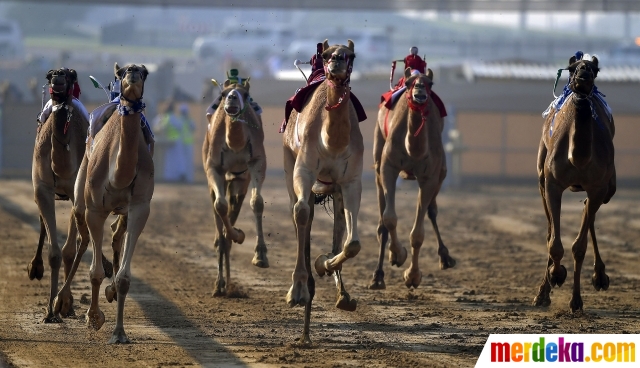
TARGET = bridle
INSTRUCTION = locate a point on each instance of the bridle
(243, 106)
(420, 107)
(137, 106)
(61, 97)
(344, 83)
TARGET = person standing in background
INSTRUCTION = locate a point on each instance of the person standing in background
(176, 132)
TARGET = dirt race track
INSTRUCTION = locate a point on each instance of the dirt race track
(496, 234)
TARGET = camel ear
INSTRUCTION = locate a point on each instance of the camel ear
(145, 72)
(572, 60)
(594, 59)
(74, 75)
(325, 45)
(227, 83)
(116, 70)
(430, 74)
(407, 73)
(350, 45)
(246, 84)
(49, 75)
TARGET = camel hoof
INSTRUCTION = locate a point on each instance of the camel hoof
(543, 299)
(575, 303)
(107, 266)
(447, 262)
(110, 293)
(321, 264)
(63, 303)
(345, 302)
(557, 276)
(51, 318)
(35, 269)
(412, 278)
(220, 288)
(298, 294)
(378, 281)
(600, 281)
(119, 337)
(260, 259)
(303, 342)
(240, 238)
(397, 259)
(95, 320)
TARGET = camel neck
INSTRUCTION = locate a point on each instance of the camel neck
(415, 140)
(127, 157)
(60, 139)
(235, 136)
(581, 133)
(336, 128)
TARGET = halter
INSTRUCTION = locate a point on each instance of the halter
(422, 108)
(345, 82)
(60, 96)
(243, 107)
(138, 106)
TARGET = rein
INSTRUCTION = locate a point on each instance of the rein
(342, 98)
(422, 108)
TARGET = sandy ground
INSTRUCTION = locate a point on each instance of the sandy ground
(496, 234)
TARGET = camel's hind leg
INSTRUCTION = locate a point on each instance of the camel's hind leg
(118, 229)
(258, 171)
(579, 247)
(137, 219)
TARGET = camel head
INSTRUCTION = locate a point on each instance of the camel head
(338, 60)
(132, 78)
(583, 74)
(236, 97)
(61, 83)
(418, 85)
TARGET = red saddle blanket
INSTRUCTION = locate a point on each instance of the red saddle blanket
(297, 101)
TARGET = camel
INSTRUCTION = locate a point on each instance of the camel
(323, 150)
(58, 151)
(576, 152)
(233, 157)
(408, 142)
(116, 177)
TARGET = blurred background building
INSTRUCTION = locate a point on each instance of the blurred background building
(494, 64)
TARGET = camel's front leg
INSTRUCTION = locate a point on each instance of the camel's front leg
(95, 222)
(118, 229)
(221, 206)
(377, 282)
(258, 172)
(300, 185)
(351, 193)
(46, 205)
(137, 219)
(397, 253)
(220, 244)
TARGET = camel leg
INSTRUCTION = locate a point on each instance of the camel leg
(579, 248)
(35, 268)
(426, 201)
(258, 172)
(383, 234)
(70, 245)
(136, 220)
(542, 298)
(556, 273)
(299, 181)
(599, 280)
(95, 222)
(397, 253)
(118, 230)
(351, 193)
(221, 205)
(46, 205)
(305, 340)
(220, 245)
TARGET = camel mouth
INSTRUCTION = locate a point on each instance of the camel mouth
(420, 98)
(232, 109)
(58, 87)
